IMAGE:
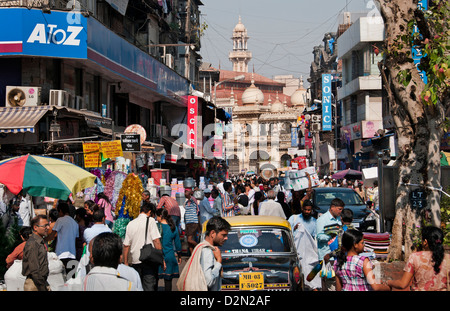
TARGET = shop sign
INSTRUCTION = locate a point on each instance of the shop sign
(326, 102)
(112, 149)
(30, 32)
(192, 117)
(91, 152)
(130, 142)
(417, 50)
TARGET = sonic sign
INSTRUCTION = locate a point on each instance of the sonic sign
(326, 102)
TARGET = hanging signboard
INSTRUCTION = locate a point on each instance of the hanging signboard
(416, 50)
(192, 118)
(91, 152)
(112, 149)
(326, 102)
(130, 142)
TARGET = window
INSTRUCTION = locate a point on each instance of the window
(256, 240)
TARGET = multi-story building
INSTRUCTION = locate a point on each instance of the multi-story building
(361, 92)
(264, 118)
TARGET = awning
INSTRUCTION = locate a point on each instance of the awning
(21, 119)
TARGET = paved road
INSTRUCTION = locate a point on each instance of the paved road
(174, 281)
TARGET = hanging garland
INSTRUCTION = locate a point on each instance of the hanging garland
(130, 195)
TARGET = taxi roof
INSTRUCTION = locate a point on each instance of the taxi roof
(239, 221)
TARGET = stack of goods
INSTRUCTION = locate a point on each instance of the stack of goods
(377, 243)
(332, 230)
(297, 179)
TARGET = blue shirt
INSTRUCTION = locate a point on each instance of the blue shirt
(206, 211)
(322, 238)
(95, 230)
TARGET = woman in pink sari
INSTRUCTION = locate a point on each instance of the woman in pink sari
(428, 269)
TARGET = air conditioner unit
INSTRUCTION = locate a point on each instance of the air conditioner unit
(22, 96)
(315, 118)
(315, 127)
(59, 98)
(168, 60)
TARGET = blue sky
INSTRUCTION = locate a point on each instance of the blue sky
(282, 33)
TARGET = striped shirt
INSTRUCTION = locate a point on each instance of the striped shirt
(352, 274)
(170, 204)
(227, 205)
(191, 213)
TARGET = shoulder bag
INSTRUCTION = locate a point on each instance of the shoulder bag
(150, 255)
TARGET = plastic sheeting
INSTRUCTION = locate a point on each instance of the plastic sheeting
(308, 254)
(15, 281)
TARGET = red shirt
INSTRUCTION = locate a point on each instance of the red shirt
(170, 204)
(16, 254)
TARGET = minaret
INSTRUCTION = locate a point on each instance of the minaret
(240, 56)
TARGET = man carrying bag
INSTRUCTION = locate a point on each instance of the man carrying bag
(139, 232)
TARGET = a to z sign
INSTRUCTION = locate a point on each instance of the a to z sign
(192, 121)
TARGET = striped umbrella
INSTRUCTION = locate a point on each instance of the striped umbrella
(44, 176)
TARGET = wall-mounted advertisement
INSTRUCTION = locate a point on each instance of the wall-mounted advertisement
(370, 128)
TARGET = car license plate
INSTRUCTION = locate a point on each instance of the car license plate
(251, 281)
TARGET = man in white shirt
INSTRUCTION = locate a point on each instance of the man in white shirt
(135, 240)
(270, 207)
(24, 211)
(106, 251)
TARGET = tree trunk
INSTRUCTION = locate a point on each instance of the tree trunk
(418, 128)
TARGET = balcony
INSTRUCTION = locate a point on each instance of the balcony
(363, 31)
(363, 83)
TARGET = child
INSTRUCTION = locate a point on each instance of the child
(354, 272)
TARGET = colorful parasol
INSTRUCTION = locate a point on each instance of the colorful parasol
(347, 174)
(44, 176)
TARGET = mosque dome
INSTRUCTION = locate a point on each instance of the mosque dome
(277, 106)
(239, 26)
(252, 95)
(298, 98)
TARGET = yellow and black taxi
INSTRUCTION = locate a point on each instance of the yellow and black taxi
(260, 255)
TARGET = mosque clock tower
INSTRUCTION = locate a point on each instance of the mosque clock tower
(240, 56)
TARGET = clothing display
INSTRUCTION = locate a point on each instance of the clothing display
(377, 243)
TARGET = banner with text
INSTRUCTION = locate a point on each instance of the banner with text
(326, 102)
(192, 120)
(91, 152)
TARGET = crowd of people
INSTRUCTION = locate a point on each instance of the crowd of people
(105, 261)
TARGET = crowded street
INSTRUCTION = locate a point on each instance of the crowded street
(221, 154)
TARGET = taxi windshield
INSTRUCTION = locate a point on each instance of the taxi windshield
(256, 240)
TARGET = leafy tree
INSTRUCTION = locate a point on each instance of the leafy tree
(418, 109)
(9, 239)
